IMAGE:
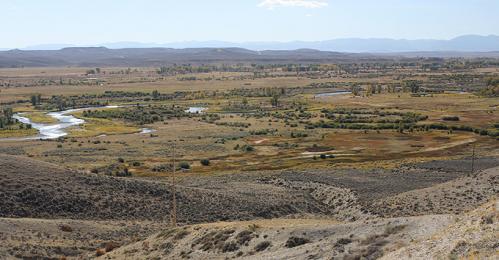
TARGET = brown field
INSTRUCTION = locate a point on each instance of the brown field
(200, 140)
(146, 79)
(267, 159)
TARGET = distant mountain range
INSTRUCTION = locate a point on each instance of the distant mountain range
(132, 57)
(467, 43)
(101, 56)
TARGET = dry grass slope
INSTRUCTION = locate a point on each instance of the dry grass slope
(37, 189)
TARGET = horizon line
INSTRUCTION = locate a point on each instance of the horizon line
(69, 45)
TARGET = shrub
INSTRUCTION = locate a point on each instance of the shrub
(262, 246)
(162, 168)
(493, 133)
(110, 246)
(247, 148)
(296, 241)
(450, 118)
(344, 241)
(136, 164)
(205, 162)
(230, 247)
(123, 173)
(184, 165)
(244, 237)
(66, 228)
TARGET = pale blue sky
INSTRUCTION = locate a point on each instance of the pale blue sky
(31, 22)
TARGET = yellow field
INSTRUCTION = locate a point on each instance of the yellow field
(17, 133)
(96, 127)
(40, 117)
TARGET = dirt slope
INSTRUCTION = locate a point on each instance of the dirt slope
(24, 238)
(313, 214)
(37, 189)
(453, 197)
(283, 239)
(473, 236)
(424, 237)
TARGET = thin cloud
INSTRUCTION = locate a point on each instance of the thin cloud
(271, 4)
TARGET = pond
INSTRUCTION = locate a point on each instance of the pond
(195, 110)
(332, 94)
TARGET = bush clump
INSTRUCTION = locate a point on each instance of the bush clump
(296, 241)
(184, 166)
(230, 247)
(247, 148)
(162, 168)
(110, 246)
(244, 237)
(66, 228)
(262, 246)
(450, 118)
(205, 162)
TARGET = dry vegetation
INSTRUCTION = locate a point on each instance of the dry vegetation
(346, 176)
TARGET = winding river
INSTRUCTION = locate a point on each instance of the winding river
(66, 120)
(54, 131)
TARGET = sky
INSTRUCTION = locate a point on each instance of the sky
(89, 22)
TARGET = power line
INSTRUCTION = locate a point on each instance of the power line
(473, 160)
(173, 217)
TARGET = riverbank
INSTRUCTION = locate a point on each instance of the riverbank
(53, 125)
(39, 118)
(17, 133)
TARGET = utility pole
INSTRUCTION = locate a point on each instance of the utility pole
(174, 191)
(473, 160)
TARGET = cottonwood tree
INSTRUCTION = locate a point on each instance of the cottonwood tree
(413, 85)
(155, 94)
(36, 99)
(275, 101)
(355, 90)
